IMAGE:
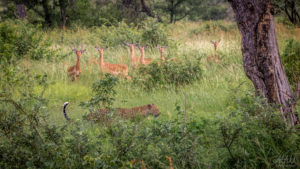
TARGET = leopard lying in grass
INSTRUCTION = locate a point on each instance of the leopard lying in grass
(126, 113)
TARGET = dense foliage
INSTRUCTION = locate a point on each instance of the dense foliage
(291, 61)
(21, 40)
(252, 136)
(244, 133)
(147, 32)
(170, 72)
(97, 13)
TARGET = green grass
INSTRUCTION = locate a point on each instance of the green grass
(219, 107)
(208, 97)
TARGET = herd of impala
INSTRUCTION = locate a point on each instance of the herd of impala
(122, 69)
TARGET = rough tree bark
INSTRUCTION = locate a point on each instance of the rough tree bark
(21, 10)
(261, 58)
(63, 6)
(47, 12)
(293, 14)
(130, 8)
(148, 11)
(172, 8)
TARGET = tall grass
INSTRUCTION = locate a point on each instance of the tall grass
(197, 121)
(207, 97)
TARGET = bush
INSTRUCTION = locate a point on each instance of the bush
(256, 136)
(22, 40)
(22, 112)
(253, 135)
(208, 12)
(209, 27)
(291, 61)
(104, 93)
(113, 36)
(154, 33)
(177, 73)
(149, 32)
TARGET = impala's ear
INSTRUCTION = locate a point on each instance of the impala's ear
(82, 51)
(165, 47)
(74, 49)
(146, 47)
(97, 48)
(105, 48)
(157, 46)
(212, 42)
(126, 43)
(136, 45)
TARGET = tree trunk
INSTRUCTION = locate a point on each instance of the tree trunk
(146, 9)
(172, 11)
(47, 14)
(63, 15)
(130, 8)
(21, 10)
(262, 62)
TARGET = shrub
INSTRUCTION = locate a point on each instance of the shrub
(177, 73)
(253, 135)
(104, 93)
(116, 35)
(22, 112)
(149, 32)
(256, 136)
(22, 40)
(291, 61)
(209, 27)
(154, 33)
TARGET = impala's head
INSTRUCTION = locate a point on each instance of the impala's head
(216, 43)
(161, 48)
(101, 50)
(78, 52)
(152, 109)
(130, 45)
(141, 48)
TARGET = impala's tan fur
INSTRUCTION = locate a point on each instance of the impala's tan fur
(114, 69)
(143, 60)
(128, 113)
(162, 56)
(216, 56)
(134, 61)
(161, 51)
(75, 70)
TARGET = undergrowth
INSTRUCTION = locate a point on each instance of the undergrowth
(244, 133)
(162, 74)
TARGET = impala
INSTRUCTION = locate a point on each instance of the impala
(162, 56)
(134, 61)
(114, 69)
(216, 56)
(75, 70)
(143, 60)
(161, 51)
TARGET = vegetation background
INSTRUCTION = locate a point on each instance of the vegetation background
(210, 116)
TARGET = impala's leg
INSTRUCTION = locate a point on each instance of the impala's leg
(217, 58)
